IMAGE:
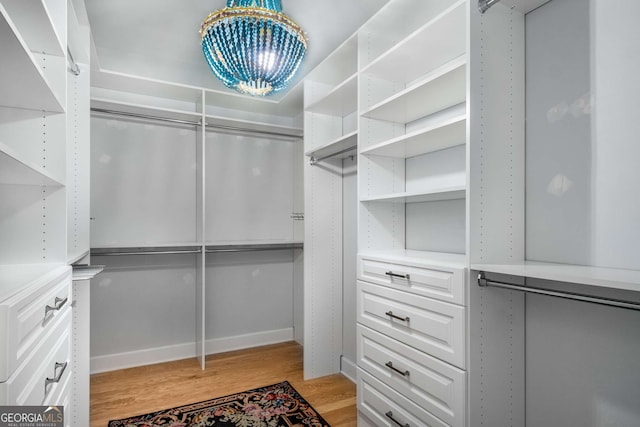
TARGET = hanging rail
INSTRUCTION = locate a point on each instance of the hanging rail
(146, 251)
(252, 248)
(484, 282)
(484, 5)
(193, 123)
(73, 65)
(314, 160)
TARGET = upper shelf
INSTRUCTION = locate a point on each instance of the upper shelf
(342, 147)
(18, 64)
(340, 101)
(438, 42)
(432, 195)
(14, 169)
(445, 134)
(594, 276)
(440, 89)
(37, 21)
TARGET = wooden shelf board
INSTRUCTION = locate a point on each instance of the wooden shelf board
(440, 89)
(451, 193)
(449, 133)
(34, 91)
(593, 276)
(346, 142)
(35, 16)
(17, 171)
(438, 42)
(424, 258)
(340, 101)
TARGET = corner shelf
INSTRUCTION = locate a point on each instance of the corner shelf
(439, 194)
(440, 37)
(342, 147)
(612, 278)
(35, 16)
(340, 101)
(440, 89)
(18, 171)
(445, 134)
(34, 91)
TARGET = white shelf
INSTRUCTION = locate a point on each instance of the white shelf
(446, 134)
(342, 147)
(252, 125)
(593, 276)
(340, 101)
(451, 193)
(524, 6)
(423, 258)
(443, 38)
(339, 65)
(440, 89)
(18, 65)
(16, 170)
(15, 278)
(143, 245)
(252, 242)
(35, 20)
(134, 108)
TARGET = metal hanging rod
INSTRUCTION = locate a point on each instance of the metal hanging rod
(253, 248)
(75, 69)
(144, 251)
(193, 123)
(484, 5)
(313, 160)
(484, 282)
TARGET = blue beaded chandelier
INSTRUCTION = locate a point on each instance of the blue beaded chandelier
(252, 46)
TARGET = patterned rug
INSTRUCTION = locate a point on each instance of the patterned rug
(277, 405)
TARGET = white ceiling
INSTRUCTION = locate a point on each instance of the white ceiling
(160, 39)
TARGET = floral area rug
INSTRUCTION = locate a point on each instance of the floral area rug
(278, 405)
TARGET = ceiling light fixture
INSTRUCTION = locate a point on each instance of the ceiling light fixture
(252, 46)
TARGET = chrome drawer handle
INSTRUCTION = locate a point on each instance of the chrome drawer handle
(57, 378)
(393, 316)
(59, 303)
(390, 416)
(389, 365)
(402, 276)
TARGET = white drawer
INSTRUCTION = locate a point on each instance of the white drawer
(29, 384)
(443, 283)
(61, 397)
(382, 406)
(435, 327)
(25, 318)
(434, 385)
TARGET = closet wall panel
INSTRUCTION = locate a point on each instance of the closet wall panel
(143, 180)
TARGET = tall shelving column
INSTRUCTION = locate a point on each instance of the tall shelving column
(330, 129)
(412, 230)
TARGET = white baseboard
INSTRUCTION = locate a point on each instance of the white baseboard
(348, 369)
(150, 356)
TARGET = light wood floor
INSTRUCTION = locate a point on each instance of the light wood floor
(136, 391)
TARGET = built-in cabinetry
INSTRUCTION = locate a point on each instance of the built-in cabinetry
(43, 188)
(203, 221)
(412, 221)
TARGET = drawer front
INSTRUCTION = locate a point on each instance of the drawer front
(431, 326)
(434, 385)
(28, 319)
(382, 406)
(44, 370)
(445, 284)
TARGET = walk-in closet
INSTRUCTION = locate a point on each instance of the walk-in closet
(372, 213)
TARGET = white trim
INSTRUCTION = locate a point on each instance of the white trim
(112, 362)
(348, 369)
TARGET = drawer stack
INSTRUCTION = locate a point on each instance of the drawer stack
(35, 343)
(411, 342)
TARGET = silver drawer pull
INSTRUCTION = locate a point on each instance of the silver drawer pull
(393, 316)
(402, 276)
(59, 303)
(390, 416)
(389, 365)
(57, 378)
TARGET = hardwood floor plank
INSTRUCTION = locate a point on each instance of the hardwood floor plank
(135, 391)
